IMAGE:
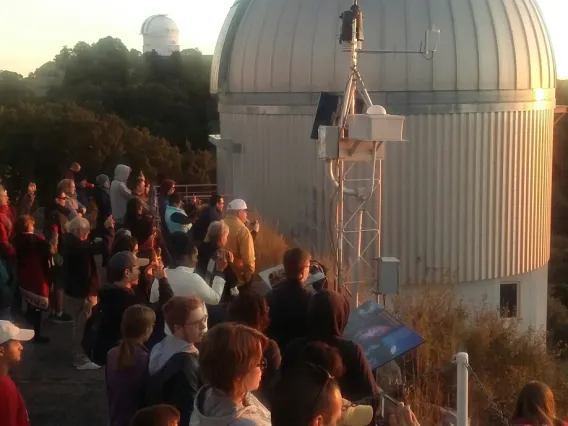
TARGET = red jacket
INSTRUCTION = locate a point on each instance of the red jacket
(7, 220)
(33, 253)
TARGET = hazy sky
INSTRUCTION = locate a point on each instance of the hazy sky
(33, 31)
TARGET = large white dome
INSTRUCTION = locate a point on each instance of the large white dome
(160, 34)
(467, 198)
(283, 46)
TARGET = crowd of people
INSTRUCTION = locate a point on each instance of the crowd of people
(159, 291)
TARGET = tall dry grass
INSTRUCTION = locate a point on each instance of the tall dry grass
(503, 357)
(270, 246)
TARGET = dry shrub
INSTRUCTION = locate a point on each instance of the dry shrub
(503, 357)
(270, 247)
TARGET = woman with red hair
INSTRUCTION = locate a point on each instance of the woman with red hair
(535, 406)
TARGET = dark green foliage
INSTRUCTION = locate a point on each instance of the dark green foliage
(39, 141)
(102, 104)
(168, 95)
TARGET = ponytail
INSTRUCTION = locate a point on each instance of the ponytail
(125, 358)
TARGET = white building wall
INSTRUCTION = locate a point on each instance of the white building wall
(532, 296)
(163, 45)
(466, 199)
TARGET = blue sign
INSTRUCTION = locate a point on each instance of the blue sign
(382, 336)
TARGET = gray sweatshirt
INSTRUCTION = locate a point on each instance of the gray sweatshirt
(119, 192)
(214, 408)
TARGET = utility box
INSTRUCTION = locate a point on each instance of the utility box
(328, 142)
(388, 275)
(376, 127)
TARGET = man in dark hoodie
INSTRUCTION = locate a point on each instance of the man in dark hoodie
(173, 367)
(288, 302)
(328, 314)
(123, 272)
(81, 279)
(211, 213)
(84, 189)
(102, 200)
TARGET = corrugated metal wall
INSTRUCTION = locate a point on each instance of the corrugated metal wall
(468, 196)
(281, 175)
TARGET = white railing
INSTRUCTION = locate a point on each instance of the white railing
(461, 360)
(201, 191)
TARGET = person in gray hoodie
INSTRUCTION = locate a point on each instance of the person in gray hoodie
(231, 362)
(119, 192)
(173, 368)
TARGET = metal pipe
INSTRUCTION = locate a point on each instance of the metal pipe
(379, 217)
(340, 225)
(357, 266)
(346, 191)
(462, 361)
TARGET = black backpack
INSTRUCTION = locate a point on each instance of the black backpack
(91, 331)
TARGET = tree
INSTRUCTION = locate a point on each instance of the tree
(13, 88)
(39, 141)
(168, 95)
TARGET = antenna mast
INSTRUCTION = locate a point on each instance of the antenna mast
(357, 138)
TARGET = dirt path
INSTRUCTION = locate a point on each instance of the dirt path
(55, 393)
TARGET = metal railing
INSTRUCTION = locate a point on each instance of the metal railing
(464, 372)
(201, 191)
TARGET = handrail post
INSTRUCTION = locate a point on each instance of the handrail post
(462, 361)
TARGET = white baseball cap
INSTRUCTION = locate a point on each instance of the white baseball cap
(9, 331)
(355, 415)
(237, 205)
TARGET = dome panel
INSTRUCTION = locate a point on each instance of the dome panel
(158, 24)
(484, 45)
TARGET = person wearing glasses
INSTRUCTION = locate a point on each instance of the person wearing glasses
(231, 363)
(250, 308)
(174, 365)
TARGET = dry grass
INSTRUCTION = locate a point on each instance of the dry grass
(503, 358)
(270, 246)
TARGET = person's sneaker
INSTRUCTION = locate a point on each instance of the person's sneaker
(61, 318)
(38, 340)
(88, 365)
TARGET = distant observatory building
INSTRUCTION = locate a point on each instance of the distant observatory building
(160, 34)
(468, 198)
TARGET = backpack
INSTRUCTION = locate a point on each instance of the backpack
(91, 331)
(7, 285)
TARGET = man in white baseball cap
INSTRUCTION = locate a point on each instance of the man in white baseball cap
(12, 407)
(240, 241)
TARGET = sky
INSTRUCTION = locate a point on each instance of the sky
(33, 31)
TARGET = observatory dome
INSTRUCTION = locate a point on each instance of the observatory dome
(466, 198)
(160, 34)
(283, 46)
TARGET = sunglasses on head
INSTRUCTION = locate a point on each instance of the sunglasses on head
(326, 380)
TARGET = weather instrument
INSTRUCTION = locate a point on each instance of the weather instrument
(351, 130)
